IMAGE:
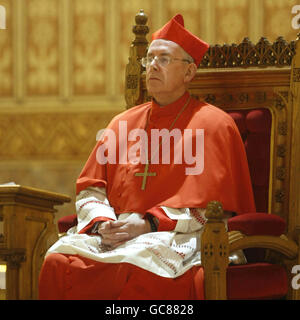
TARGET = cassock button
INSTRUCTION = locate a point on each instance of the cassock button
(68, 271)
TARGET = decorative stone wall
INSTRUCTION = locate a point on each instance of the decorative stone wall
(62, 73)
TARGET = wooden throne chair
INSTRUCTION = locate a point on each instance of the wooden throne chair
(259, 86)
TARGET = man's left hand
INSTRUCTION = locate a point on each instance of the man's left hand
(115, 233)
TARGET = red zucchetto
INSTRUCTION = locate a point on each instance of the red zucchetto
(174, 31)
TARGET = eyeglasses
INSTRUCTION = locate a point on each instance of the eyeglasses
(163, 61)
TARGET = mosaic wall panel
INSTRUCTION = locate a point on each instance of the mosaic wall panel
(49, 135)
(88, 47)
(192, 11)
(48, 150)
(230, 26)
(42, 47)
(6, 53)
(277, 19)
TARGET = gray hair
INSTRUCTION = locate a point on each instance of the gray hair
(188, 57)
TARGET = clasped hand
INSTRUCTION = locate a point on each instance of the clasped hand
(115, 233)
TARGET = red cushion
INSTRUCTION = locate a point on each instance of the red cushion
(256, 281)
(259, 120)
(257, 224)
(240, 120)
(65, 223)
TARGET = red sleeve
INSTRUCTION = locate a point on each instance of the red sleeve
(165, 223)
(92, 174)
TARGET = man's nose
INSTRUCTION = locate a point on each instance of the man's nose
(154, 63)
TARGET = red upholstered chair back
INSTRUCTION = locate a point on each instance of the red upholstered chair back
(255, 129)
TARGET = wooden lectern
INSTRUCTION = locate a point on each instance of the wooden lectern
(27, 231)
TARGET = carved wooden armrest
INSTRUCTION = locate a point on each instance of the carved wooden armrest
(282, 244)
(217, 243)
(214, 252)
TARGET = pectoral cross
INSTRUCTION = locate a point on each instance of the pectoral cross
(145, 174)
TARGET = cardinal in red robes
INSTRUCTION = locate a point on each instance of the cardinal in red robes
(142, 193)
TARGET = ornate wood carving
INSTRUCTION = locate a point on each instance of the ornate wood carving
(296, 75)
(13, 257)
(281, 173)
(281, 151)
(281, 145)
(246, 54)
(237, 98)
(294, 178)
(279, 196)
(282, 128)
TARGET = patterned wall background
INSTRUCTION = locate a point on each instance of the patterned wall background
(62, 69)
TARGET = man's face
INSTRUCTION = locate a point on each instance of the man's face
(165, 79)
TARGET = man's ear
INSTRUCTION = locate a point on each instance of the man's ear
(190, 72)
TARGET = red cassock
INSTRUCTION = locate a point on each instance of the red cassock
(219, 172)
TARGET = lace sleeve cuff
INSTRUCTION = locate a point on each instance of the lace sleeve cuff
(92, 204)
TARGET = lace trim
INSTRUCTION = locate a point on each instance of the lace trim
(163, 260)
(91, 201)
(195, 213)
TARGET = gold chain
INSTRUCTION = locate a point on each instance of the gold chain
(146, 174)
(170, 128)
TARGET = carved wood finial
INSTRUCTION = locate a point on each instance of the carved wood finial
(141, 18)
(134, 69)
(140, 29)
(214, 210)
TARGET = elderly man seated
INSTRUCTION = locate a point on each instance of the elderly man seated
(141, 195)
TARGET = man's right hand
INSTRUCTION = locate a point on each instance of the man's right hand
(115, 233)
